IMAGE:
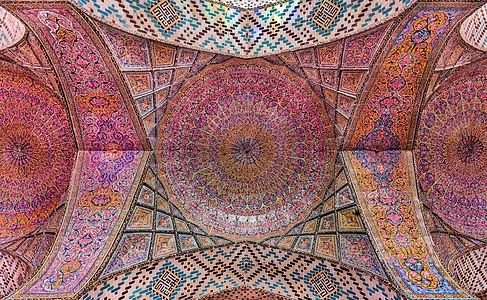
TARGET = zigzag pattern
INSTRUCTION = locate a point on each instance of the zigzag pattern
(267, 30)
(255, 266)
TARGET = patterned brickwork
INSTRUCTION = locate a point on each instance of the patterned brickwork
(474, 29)
(13, 273)
(11, 29)
(470, 269)
(387, 196)
(214, 27)
(242, 265)
(244, 293)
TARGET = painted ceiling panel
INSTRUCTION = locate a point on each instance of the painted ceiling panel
(450, 150)
(257, 159)
(233, 30)
(247, 149)
(38, 152)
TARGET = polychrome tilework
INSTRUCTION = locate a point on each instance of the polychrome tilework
(387, 196)
(102, 111)
(474, 29)
(232, 154)
(471, 270)
(392, 98)
(101, 193)
(37, 152)
(357, 250)
(155, 221)
(11, 29)
(210, 26)
(243, 265)
(323, 233)
(450, 154)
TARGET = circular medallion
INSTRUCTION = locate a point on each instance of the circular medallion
(245, 149)
(450, 152)
(37, 151)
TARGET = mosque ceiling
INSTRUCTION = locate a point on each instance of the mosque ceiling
(244, 151)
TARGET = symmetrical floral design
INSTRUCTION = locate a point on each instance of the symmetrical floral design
(246, 149)
(387, 195)
(103, 187)
(451, 151)
(384, 122)
(37, 151)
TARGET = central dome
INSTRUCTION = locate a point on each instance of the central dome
(245, 149)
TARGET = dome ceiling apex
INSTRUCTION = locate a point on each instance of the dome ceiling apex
(246, 149)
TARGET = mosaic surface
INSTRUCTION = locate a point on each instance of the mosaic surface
(155, 221)
(154, 72)
(102, 112)
(215, 27)
(34, 247)
(450, 151)
(37, 152)
(11, 29)
(474, 29)
(103, 187)
(233, 156)
(243, 265)
(470, 269)
(386, 116)
(386, 193)
(95, 211)
(13, 273)
(322, 233)
(448, 242)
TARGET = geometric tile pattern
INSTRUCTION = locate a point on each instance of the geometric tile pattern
(13, 273)
(227, 29)
(387, 196)
(253, 266)
(334, 229)
(155, 221)
(474, 29)
(470, 269)
(12, 30)
(337, 71)
(154, 71)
